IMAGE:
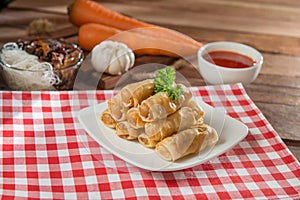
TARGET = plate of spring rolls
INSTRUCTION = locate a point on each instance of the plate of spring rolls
(157, 131)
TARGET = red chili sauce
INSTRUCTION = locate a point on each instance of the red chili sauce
(229, 59)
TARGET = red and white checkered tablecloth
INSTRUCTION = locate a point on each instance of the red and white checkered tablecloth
(45, 154)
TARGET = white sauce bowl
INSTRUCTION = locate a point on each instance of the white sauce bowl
(214, 74)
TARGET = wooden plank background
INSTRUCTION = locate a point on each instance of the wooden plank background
(270, 26)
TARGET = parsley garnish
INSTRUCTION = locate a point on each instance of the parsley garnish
(164, 82)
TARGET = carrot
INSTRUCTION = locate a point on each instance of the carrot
(86, 11)
(157, 31)
(92, 34)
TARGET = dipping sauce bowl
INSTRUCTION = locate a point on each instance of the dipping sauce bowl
(229, 62)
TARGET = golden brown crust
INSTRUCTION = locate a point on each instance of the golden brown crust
(145, 141)
(126, 131)
(133, 94)
(117, 108)
(107, 119)
(184, 118)
(158, 106)
(134, 118)
(180, 144)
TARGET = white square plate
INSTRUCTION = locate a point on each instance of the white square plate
(230, 131)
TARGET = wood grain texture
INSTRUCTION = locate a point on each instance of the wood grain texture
(245, 16)
(57, 6)
(14, 24)
(270, 26)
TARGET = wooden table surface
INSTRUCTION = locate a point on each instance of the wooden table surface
(270, 26)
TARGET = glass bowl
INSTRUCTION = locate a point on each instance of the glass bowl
(40, 64)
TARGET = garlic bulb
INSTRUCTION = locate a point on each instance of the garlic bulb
(111, 57)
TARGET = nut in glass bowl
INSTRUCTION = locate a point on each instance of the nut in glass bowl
(40, 64)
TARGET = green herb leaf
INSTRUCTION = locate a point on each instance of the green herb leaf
(175, 92)
(164, 82)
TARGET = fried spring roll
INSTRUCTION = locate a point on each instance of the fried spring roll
(134, 118)
(117, 108)
(107, 119)
(133, 94)
(124, 130)
(184, 118)
(197, 110)
(146, 142)
(212, 136)
(184, 143)
(129, 96)
(160, 105)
